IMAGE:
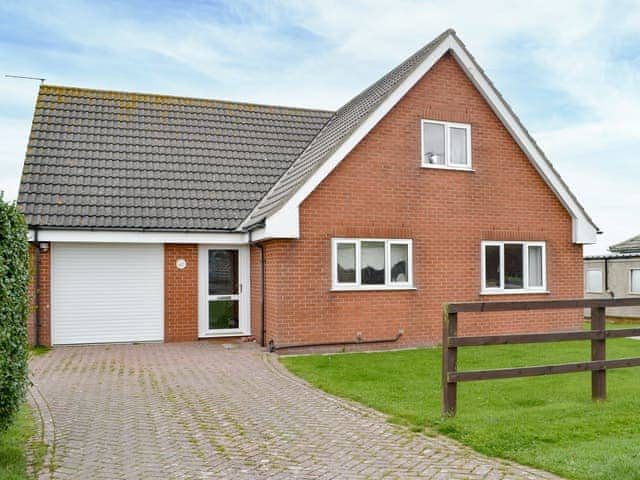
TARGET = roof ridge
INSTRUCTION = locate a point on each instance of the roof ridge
(287, 169)
(622, 244)
(177, 97)
(400, 65)
(341, 138)
(81, 143)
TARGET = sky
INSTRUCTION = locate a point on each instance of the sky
(569, 69)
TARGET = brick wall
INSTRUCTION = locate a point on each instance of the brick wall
(380, 191)
(256, 278)
(45, 298)
(180, 293)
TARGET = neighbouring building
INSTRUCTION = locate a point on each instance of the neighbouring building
(158, 218)
(615, 275)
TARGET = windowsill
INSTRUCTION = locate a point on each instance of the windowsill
(514, 292)
(373, 288)
(224, 334)
(634, 293)
(448, 167)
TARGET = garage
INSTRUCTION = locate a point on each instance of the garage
(106, 293)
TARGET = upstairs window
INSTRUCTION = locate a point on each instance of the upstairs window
(361, 264)
(513, 267)
(446, 145)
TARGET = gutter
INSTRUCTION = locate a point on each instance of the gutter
(136, 229)
(358, 341)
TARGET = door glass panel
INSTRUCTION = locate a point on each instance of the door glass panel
(223, 314)
(223, 272)
(513, 266)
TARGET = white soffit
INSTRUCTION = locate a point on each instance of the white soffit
(97, 236)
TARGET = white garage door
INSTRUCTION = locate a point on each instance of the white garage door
(107, 293)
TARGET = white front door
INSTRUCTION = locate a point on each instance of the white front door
(224, 290)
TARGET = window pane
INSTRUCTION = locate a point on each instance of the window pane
(433, 138)
(535, 266)
(513, 266)
(346, 263)
(458, 138)
(399, 263)
(594, 281)
(492, 266)
(372, 263)
(223, 272)
(635, 281)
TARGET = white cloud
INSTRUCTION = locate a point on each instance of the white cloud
(13, 145)
(571, 46)
(580, 54)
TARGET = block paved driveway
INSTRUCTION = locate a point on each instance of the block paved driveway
(199, 410)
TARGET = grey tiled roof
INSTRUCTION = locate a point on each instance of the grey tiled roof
(336, 132)
(631, 245)
(612, 256)
(114, 160)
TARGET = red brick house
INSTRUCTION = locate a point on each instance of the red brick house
(174, 219)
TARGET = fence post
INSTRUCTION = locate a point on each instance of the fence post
(598, 352)
(449, 363)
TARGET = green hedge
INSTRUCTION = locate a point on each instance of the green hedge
(14, 305)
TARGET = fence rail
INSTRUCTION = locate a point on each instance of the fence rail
(598, 335)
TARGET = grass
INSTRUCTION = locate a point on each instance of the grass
(13, 447)
(547, 422)
(38, 351)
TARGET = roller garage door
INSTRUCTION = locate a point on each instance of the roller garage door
(102, 293)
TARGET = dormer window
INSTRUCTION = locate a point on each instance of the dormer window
(446, 145)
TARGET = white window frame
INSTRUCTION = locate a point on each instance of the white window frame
(525, 270)
(586, 281)
(388, 285)
(447, 145)
(631, 291)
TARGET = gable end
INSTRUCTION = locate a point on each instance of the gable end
(281, 221)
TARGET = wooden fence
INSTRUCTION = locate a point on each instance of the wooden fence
(598, 365)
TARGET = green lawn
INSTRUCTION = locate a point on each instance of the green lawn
(13, 446)
(547, 422)
(38, 351)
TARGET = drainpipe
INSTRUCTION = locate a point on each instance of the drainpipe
(262, 326)
(37, 286)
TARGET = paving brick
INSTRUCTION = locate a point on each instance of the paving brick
(199, 410)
